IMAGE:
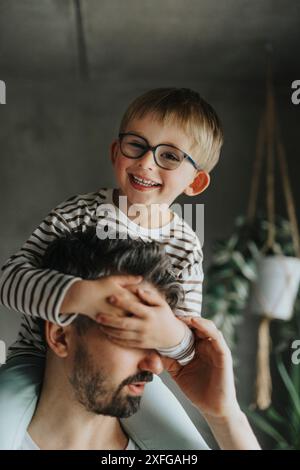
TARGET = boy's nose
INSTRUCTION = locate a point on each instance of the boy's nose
(147, 160)
(151, 362)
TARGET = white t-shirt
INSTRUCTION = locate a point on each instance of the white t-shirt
(29, 444)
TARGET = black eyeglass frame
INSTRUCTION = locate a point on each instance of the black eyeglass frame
(153, 149)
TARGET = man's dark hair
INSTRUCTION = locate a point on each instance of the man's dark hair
(83, 254)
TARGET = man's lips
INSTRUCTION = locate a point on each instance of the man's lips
(137, 388)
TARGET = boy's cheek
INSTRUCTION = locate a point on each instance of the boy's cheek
(120, 168)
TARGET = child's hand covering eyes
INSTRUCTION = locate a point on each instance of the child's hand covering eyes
(152, 326)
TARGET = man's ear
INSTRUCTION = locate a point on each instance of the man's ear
(199, 184)
(58, 338)
(114, 150)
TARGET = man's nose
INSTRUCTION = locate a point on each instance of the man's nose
(151, 362)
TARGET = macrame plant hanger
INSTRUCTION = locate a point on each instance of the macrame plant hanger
(269, 146)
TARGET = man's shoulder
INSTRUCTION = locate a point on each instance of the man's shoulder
(132, 445)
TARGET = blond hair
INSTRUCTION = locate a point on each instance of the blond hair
(185, 109)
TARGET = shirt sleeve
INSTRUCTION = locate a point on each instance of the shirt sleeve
(28, 289)
(191, 280)
(184, 352)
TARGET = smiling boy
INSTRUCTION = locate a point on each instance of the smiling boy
(169, 140)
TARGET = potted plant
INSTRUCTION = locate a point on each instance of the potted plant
(235, 268)
(265, 251)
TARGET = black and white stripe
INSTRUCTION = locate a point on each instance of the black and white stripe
(38, 293)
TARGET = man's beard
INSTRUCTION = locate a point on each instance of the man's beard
(92, 388)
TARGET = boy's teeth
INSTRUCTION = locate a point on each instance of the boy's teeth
(144, 182)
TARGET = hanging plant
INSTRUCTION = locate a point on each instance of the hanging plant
(256, 254)
(234, 268)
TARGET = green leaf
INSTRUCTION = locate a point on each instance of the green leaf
(272, 414)
(221, 257)
(289, 386)
(253, 249)
(241, 286)
(231, 243)
(247, 268)
(266, 427)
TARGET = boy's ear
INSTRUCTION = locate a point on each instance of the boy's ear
(57, 338)
(199, 184)
(113, 150)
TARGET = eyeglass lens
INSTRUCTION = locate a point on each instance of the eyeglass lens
(166, 156)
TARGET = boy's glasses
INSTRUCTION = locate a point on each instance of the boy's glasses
(165, 156)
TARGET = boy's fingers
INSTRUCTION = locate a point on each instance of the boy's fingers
(124, 279)
(111, 310)
(128, 303)
(133, 288)
(186, 320)
(120, 334)
(124, 323)
(151, 297)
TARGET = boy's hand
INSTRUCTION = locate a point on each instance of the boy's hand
(152, 326)
(89, 297)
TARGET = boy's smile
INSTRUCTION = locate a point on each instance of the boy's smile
(142, 183)
(141, 179)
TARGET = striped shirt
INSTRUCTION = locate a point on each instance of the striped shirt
(39, 293)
